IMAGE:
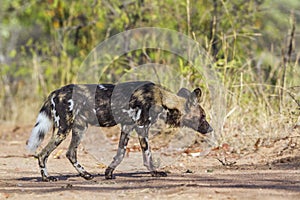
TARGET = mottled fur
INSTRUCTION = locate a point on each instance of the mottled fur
(133, 105)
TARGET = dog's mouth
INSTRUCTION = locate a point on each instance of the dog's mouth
(202, 128)
(205, 128)
(205, 131)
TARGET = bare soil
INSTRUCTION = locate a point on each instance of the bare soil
(271, 172)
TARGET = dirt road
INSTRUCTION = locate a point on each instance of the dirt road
(250, 176)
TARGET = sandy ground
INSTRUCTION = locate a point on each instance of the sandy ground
(269, 173)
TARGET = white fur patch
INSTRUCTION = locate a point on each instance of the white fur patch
(135, 115)
(56, 117)
(138, 115)
(71, 106)
(79, 168)
(102, 87)
(45, 171)
(44, 124)
(147, 159)
(52, 101)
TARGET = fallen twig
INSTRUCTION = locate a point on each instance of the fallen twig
(226, 163)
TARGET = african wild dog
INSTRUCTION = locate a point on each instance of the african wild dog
(133, 105)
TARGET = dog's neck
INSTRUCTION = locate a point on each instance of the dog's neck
(173, 102)
(173, 117)
(174, 106)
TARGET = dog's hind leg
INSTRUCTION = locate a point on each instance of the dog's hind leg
(77, 133)
(57, 137)
(147, 156)
(121, 152)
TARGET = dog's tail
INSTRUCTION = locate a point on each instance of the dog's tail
(43, 125)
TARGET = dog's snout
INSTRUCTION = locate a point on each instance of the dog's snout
(210, 129)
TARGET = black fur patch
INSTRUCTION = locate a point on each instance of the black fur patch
(36, 124)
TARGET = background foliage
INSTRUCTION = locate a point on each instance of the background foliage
(254, 43)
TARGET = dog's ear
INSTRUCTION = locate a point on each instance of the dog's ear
(198, 93)
(183, 92)
(194, 98)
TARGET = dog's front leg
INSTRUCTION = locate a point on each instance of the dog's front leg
(147, 156)
(120, 154)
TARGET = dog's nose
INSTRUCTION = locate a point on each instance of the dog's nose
(210, 129)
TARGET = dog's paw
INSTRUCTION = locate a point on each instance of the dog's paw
(86, 176)
(49, 179)
(109, 173)
(158, 174)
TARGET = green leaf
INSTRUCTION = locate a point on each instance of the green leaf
(12, 53)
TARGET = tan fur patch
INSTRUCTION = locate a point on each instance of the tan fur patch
(172, 101)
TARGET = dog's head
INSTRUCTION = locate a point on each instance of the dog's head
(194, 116)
